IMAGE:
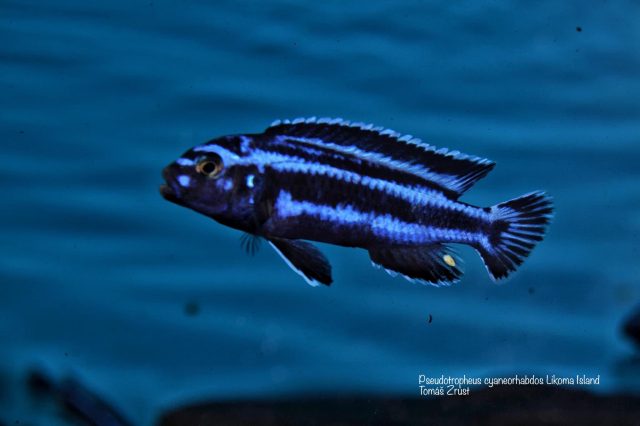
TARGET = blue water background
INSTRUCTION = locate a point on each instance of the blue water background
(96, 269)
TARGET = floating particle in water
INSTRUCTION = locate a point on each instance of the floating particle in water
(579, 29)
(430, 320)
(191, 309)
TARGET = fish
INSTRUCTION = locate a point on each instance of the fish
(355, 185)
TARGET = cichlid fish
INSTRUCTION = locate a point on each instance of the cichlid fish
(355, 185)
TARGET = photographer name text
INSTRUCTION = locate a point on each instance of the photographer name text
(461, 386)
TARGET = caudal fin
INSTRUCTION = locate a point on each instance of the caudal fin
(518, 225)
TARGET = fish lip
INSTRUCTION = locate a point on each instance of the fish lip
(169, 190)
(169, 194)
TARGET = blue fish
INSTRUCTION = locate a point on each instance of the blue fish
(355, 185)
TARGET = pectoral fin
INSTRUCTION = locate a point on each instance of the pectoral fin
(435, 264)
(305, 259)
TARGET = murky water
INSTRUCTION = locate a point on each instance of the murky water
(152, 305)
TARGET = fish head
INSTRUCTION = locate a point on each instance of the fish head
(202, 179)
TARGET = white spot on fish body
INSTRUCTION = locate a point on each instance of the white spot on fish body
(225, 184)
(184, 180)
(250, 182)
(185, 162)
(449, 260)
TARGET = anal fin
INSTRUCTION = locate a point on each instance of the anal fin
(435, 264)
(305, 259)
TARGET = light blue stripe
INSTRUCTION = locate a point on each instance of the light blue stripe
(452, 182)
(224, 153)
(245, 144)
(382, 226)
(416, 196)
(419, 196)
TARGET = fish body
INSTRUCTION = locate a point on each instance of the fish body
(356, 185)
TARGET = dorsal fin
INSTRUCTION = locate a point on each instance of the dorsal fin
(451, 170)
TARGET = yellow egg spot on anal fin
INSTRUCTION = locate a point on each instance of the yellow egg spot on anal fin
(449, 260)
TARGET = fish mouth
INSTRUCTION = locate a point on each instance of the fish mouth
(168, 190)
(169, 194)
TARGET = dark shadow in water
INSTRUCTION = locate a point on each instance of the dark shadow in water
(631, 326)
(532, 405)
(627, 371)
(78, 403)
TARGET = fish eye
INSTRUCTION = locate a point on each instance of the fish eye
(211, 166)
